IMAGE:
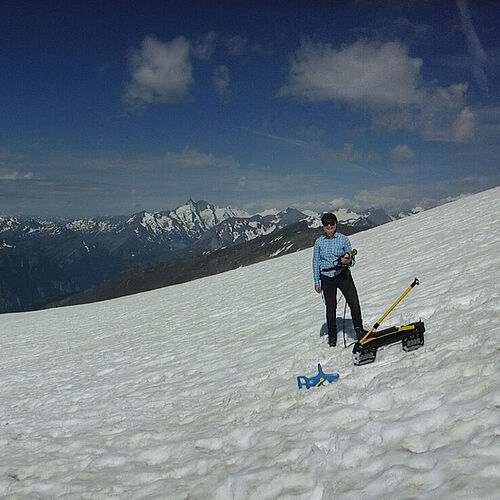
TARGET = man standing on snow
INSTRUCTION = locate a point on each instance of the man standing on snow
(331, 263)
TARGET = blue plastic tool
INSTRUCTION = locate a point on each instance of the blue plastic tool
(317, 380)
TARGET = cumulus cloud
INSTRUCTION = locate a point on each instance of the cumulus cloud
(402, 152)
(445, 117)
(190, 158)
(221, 80)
(394, 197)
(204, 47)
(385, 80)
(391, 198)
(160, 72)
(376, 75)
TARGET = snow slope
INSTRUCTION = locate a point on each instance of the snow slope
(190, 391)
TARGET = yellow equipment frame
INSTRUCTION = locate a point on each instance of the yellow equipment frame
(388, 310)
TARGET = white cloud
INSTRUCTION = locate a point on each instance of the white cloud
(160, 72)
(7, 174)
(393, 197)
(402, 152)
(464, 125)
(190, 158)
(339, 202)
(385, 80)
(221, 80)
(204, 47)
(445, 117)
(379, 76)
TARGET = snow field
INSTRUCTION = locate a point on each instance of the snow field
(190, 391)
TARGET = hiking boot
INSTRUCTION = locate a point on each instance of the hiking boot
(360, 332)
(332, 339)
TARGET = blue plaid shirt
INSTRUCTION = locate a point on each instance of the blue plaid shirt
(326, 253)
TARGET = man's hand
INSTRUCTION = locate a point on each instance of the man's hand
(317, 288)
(345, 261)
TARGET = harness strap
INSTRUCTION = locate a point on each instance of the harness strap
(338, 267)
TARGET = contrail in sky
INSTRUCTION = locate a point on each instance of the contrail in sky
(478, 56)
(315, 149)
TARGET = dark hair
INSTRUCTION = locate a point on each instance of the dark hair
(328, 217)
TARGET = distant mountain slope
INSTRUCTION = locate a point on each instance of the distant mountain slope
(288, 239)
(42, 261)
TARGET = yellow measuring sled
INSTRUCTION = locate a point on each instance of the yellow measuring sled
(411, 335)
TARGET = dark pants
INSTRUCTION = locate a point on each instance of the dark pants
(345, 283)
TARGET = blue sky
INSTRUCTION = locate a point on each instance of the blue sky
(116, 107)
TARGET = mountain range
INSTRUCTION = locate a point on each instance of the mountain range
(43, 261)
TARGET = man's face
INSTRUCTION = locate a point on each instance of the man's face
(329, 227)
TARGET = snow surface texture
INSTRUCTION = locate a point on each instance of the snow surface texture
(190, 391)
